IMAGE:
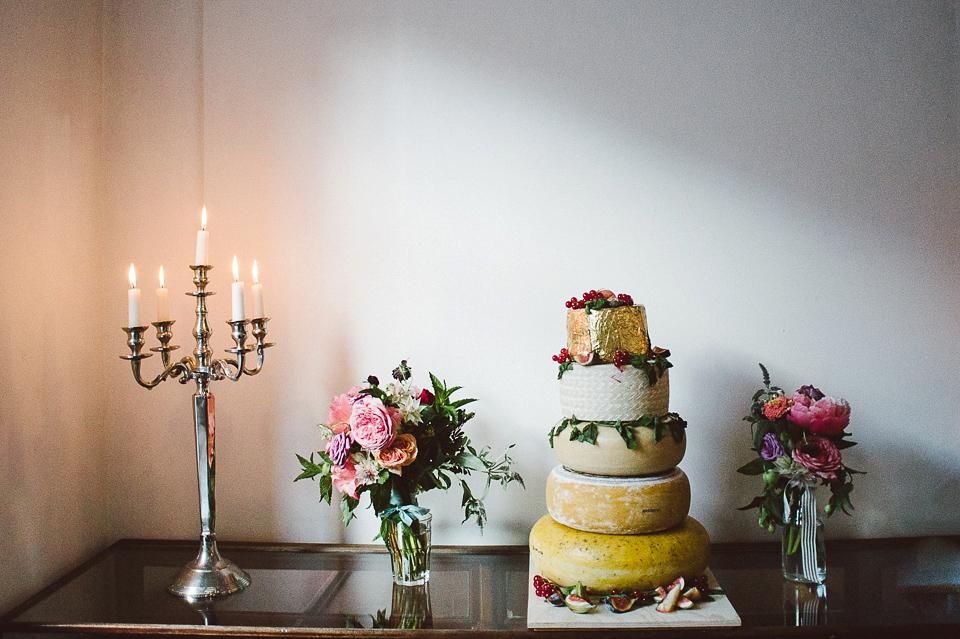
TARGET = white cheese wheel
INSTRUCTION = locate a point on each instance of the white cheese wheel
(604, 562)
(603, 392)
(618, 505)
(610, 455)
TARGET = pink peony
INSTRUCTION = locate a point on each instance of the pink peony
(827, 416)
(345, 478)
(819, 456)
(401, 452)
(776, 408)
(373, 425)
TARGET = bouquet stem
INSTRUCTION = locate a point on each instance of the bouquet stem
(409, 547)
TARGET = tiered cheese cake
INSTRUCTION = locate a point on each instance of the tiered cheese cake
(617, 502)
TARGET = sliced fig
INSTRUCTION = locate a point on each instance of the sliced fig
(607, 294)
(669, 602)
(620, 603)
(556, 599)
(684, 603)
(660, 594)
(578, 604)
(693, 594)
(586, 359)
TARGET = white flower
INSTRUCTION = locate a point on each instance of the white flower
(410, 409)
(366, 468)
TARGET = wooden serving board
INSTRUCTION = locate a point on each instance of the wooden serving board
(711, 614)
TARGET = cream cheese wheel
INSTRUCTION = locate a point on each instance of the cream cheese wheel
(618, 505)
(604, 562)
(603, 392)
(610, 455)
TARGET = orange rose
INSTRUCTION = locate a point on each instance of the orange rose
(401, 452)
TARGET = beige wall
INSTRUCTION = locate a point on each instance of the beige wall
(775, 182)
(54, 501)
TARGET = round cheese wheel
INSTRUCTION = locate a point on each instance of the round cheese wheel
(604, 562)
(618, 505)
(603, 392)
(610, 455)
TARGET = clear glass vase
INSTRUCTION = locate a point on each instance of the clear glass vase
(803, 553)
(409, 548)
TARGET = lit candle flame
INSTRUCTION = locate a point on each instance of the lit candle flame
(256, 280)
(203, 218)
(133, 277)
(161, 278)
(236, 270)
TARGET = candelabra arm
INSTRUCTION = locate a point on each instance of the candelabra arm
(259, 333)
(184, 367)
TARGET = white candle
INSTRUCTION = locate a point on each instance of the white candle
(203, 240)
(133, 300)
(257, 289)
(163, 301)
(237, 290)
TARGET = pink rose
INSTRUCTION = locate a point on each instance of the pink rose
(819, 456)
(345, 478)
(373, 425)
(827, 416)
(401, 452)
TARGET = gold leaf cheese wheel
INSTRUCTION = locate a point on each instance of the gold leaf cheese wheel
(610, 455)
(618, 505)
(604, 562)
(608, 330)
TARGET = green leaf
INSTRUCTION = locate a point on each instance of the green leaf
(756, 503)
(753, 467)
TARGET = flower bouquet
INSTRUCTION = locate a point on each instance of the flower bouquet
(798, 439)
(393, 443)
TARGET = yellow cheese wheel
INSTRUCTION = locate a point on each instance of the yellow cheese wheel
(604, 562)
(610, 455)
(618, 505)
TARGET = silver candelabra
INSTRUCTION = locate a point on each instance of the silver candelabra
(209, 574)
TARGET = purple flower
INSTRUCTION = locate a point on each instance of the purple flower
(811, 392)
(339, 448)
(770, 449)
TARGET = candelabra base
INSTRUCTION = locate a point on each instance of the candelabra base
(209, 575)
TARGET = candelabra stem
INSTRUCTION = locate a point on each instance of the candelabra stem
(209, 574)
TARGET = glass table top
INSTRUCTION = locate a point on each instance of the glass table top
(315, 589)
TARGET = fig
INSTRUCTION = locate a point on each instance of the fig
(693, 594)
(556, 599)
(585, 359)
(577, 604)
(607, 294)
(684, 603)
(620, 603)
(669, 602)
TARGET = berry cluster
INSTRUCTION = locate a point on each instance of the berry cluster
(543, 587)
(564, 356)
(622, 359)
(702, 583)
(600, 299)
